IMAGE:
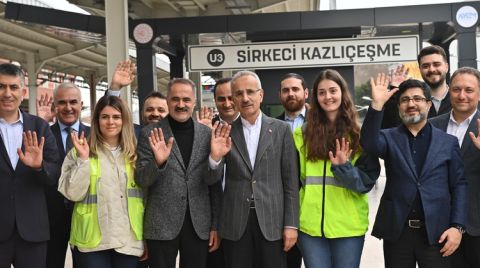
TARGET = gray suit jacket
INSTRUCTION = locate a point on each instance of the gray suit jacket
(273, 182)
(173, 186)
(471, 159)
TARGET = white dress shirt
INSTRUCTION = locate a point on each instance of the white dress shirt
(12, 136)
(459, 129)
(252, 136)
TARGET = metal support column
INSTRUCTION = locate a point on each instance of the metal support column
(32, 84)
(467, 50)
(146, 75)
(116, 22)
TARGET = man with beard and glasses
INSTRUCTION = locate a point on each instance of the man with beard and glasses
(433, 64)
(293, 94)
(423, 210)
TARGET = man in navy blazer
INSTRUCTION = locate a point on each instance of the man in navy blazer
(29, 161)
(423, 210)
(462, 120)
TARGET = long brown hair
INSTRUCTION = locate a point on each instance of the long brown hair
(320, 134)
(127, 137)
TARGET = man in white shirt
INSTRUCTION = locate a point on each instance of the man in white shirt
(259, 217)
(464, 95)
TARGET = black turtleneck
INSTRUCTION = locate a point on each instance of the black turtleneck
(183, 134)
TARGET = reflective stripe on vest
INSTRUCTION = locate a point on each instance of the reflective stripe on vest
(85, 231)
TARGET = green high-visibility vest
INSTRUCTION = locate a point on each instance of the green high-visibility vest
(85, 231)
(327, 208)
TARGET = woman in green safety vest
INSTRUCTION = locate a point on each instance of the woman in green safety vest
(334, 175)
(107, 220)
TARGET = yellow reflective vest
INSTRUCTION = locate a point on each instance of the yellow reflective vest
(327, 208)
(85, 232)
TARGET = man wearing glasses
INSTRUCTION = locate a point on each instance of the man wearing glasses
(423, 210)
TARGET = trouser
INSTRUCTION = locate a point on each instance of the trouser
(105, 259)
(294, 258)
(216, 259)
(412, 248)
(193, 250)
(21, 253)
(252, 250)
(468, 254)
(321, 252)
(58, 243)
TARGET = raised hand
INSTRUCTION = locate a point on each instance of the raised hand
(44, 107)
(399, 75)
(161, 150)
(81, 145)
(221, 142)
(476, 140)
(33, 155)
(205, 116)
(342, 152)
(380, 92)
(123, 75)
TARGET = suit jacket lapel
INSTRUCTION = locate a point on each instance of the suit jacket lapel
(3, 152)
(58, 137)
(167, 133)
(401, 140)
(472, 127)
(263, 142)
(195, 147)
(239, 142)
(433, 151)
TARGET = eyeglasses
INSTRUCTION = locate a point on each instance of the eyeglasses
(250, 92)
(416, 99)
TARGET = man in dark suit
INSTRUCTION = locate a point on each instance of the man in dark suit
(462, 120)
(293, 95)
(260, 201)
(423, 210)
(27, 166)
(433, 64)
(179, 214)
(68, 103)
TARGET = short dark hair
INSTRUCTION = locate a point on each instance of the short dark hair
(411, 83)
(467, 70)
(155, 94)
(12, 70)
(220, 81)
(297, 76)
(184, 81)
(434, 49)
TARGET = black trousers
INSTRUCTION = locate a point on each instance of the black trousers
(21, 253)
(58, 243)
(294, 258)
(193, 250)
(216, 259)
(468, 254)
(412, 248)
(253, 250)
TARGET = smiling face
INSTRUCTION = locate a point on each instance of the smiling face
(413, 107)
(68, 105)
(464, 94)
(224, 102)
(12, 93)
(181, 101)
(433, 69)
(292, 94)
(154, 110)
(329, 97)
(110, 123)
(247, 97)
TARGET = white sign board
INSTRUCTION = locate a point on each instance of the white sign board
(301, 54)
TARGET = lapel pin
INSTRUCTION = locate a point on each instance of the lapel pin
(270, 130)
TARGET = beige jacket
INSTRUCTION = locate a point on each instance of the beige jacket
(112, 200)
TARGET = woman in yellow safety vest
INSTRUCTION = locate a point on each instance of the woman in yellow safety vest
(334, 175)
(107, 220)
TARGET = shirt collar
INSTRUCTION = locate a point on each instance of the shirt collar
(469, 119)
(221, 119)
(75, 126)
(302, 114)
(443, 97)
(20, 119)
(247, 124)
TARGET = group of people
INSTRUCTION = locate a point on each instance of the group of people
(242, 189)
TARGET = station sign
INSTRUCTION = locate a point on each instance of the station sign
(303, 54)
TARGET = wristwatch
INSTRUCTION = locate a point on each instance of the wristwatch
(460, 228)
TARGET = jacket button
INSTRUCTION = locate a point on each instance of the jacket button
(254, 181)
(418, 184)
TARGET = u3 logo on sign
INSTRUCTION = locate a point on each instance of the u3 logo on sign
(215, 57)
